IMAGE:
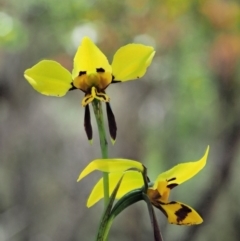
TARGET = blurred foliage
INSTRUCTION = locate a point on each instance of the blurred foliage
(188, 99)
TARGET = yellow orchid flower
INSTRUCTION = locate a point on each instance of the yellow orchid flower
(92, 74)
(158, 193)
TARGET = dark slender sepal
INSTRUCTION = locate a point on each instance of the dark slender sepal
(87, 123)
(111, 123)
(156, 231)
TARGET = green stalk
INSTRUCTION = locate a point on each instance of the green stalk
(123, 203)
(97, 108)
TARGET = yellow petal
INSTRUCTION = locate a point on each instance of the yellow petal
(110, 165)
(131, 61)
(182, 172)
(131, 180)
(163, 190)
(49, 78)
(91, 67)
(179, 213)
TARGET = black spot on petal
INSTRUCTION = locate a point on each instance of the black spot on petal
(172, 179)
(72, 88)
(182, 213)
(171, 186)
(82, 73)
(115, 81)
(100, 70)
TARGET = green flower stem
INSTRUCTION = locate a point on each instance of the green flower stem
(97, 108)
(108, 218)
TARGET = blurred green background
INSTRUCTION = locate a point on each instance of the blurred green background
(188, 99)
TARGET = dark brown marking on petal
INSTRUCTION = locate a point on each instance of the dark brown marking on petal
(87, 123)
(72, 88)
(111, 122)
(100, 70)
(86, 100)
(171, 179)
(154, 196)
(101, 96)
(171, 186)
(182, 213)
(114, 81)
(82, 73)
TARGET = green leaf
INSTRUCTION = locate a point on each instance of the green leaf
(102, 234)
(127, 200)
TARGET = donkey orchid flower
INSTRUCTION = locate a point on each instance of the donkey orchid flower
(158, 193)
(91, 74)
